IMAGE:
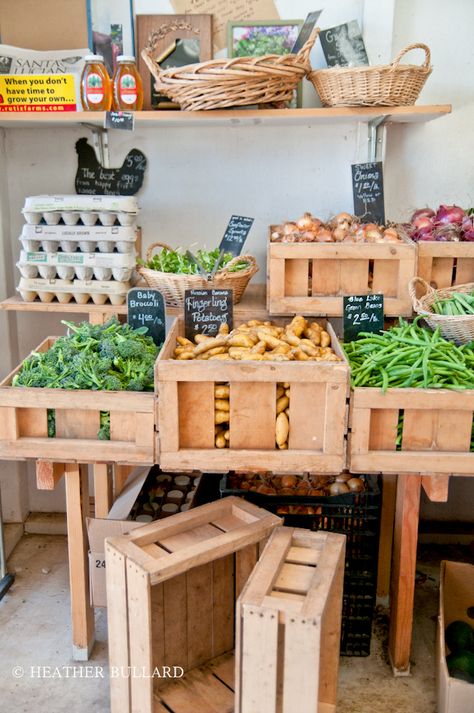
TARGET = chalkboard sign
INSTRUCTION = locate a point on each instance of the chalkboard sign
(93, 179)
(206, 310)
(146, 308)
(236, 234)
(305, 31)
(343, 45)
(362, 313)
(124, 120)
(367, 188)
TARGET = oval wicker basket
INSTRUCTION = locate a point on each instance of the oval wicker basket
(393, 84)
(459, 329)
(173, 286)
(221, 83)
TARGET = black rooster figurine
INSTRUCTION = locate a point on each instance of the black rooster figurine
(94, 179)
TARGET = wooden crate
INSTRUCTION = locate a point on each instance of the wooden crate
(311, 278)
(171, 592)
(186, 412)
(436, 437)
(445, 264)
(289, 624)
(24, 423)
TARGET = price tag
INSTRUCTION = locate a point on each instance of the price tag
(236, 234)
(119, 120)
(306, 30)
(367, 187)
(362, 313)
(206, 310)
(146, 308)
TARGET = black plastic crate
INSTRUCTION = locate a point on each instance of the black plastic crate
(356, 515)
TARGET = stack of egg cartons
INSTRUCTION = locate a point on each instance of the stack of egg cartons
(79, 248)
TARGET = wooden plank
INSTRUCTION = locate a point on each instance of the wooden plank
(295, 578)
(307, 428)
(454, 430)
(117, 621)
(199, 600)
(464, 270)
(259, 660)
(419, 430)
(302, 555)
(355, 277)
(168, 415)
(121, 473)
(275, 279)
(48, 474)
(32, 422)
(9, 430)
(122, 426)
(224, 669)
(425, 266)
(326, 277)
(140, 638)
(144, 432)
(331, 632)
(200, 692)
(175, 622)
(102, 490)
(77, 423)
(196, 414)
(335, 419)
(403, 571)
(385, 277)
(383, 429)
(245, 560)
(367, 397)
(442, 272)
(296, 278)
(223, 605)
(263, 578)
(301, 665)
(436, 487)
(413, 462)
(83, 400)
(157, 629)
(389, 494)
(252, 415)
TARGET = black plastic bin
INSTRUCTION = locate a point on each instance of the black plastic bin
(356, 515)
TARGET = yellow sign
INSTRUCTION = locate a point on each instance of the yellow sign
(37, 92)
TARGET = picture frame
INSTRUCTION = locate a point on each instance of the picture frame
(253, 39)
(174, 41)
(111, 30)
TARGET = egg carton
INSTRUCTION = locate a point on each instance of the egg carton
(72, 217)
(87, 239)
(84, 266)
(81, 291)
(78, 202)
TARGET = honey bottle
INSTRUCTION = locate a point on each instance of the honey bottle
(127, 85)
(96, 90)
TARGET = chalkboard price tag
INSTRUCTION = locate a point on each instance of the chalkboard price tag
(94, 179)
(367, 187)
(206, 310)
(236, 234)
(146, 308)
(124, 120)
(362, 313)
(305, 31)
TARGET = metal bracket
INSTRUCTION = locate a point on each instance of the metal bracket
(377, 131)
(100, 138)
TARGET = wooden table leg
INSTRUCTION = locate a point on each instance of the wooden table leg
(389, 495)
(102, 490)
(77, 505)
(402, 592)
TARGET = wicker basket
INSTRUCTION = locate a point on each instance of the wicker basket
(394, 84)
(221, 83)
(458, 329)
(173, 286)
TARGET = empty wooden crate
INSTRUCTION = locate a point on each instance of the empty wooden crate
(171, 592)
(445, 264)
(186, 412)
(312, 278)
(27, 414)
(411, 431)
(289, 624)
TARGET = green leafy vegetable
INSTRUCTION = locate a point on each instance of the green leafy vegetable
(176, 261)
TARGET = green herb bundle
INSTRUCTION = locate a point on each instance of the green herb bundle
(178, 262)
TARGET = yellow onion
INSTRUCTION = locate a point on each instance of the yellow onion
(339, 234)
(289, 228)
(343, 218)
(305, 222)
(356, 485)
(323, 235)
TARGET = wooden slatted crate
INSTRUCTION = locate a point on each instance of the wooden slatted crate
(445, 264)
(186, 412)
(171, 592)
(433, 428)
(311, 278)
(289, 624)
(24, 423)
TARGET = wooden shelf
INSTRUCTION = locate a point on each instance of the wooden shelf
(231, 117)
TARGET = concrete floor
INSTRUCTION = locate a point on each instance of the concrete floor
(35, 632)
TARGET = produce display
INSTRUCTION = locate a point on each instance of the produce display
(449, 223)
(178, 262)
(108, 357)
(459, 303)
(408, 355)
(258, 340)
(344, 228)
(296, 485)
(459, 637)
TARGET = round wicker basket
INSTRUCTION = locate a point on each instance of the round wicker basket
(393, 84)
(459, 329)
(173, 286)
(221, 83)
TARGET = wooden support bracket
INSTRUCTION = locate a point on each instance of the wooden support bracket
(48, 474)
(436, 486)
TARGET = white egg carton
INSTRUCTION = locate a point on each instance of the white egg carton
(87, 239)
(74, 208)
(81, 291)
(83, 266)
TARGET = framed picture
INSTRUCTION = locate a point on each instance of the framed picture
(254, 39)
(174, 41)
(110, 27)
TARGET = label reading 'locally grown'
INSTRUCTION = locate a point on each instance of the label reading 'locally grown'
(146, 308)
(362, 313)
(206, 310)
(236, 234)
(367, 187)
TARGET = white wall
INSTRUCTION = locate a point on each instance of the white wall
(198, 177)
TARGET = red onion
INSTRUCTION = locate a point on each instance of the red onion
(422, 213)
(448, 214)
(468, 229)
(422, 223)
(449, 232)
